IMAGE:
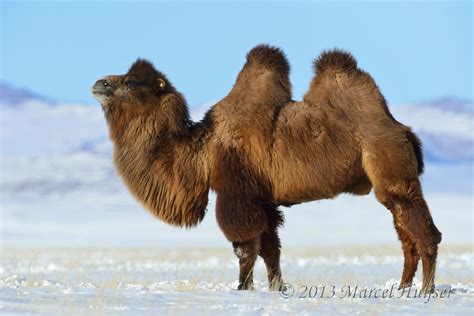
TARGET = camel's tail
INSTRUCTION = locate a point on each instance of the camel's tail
(417, 149)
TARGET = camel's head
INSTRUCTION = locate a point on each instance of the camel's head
(136, 91)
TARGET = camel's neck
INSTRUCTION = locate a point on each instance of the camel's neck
(164, 168)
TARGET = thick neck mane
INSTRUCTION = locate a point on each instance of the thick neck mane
(161, 159)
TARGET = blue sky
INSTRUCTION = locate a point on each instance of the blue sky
(416, 51)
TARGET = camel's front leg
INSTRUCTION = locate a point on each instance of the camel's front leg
(243, 223)
(247, 252)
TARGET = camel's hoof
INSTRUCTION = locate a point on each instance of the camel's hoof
(404, 285)
(276, 285)
(245, 287)
(428, 289)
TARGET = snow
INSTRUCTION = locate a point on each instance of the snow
(73, 240)
(196, 281)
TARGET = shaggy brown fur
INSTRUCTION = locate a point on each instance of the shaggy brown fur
(258, 149)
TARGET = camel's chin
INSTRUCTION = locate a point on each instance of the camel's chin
(102, 99)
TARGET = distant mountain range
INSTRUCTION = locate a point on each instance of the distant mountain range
(32, 126)
(12, 96)
(445, 126)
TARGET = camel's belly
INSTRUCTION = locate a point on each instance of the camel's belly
(307, 185)
(308, 182)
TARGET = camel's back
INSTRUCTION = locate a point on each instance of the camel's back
(299, 151)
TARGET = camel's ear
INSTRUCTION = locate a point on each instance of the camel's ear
(160, 84)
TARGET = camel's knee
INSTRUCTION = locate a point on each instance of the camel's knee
(247, 249)
(390, 192)
(428, 245)
(428, 249)
(418, 227)
(410, 211)
(239, 252)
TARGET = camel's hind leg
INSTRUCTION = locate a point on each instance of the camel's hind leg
(392, 167)
(413, 218)
(410, 253)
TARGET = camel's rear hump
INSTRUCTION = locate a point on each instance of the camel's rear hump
(335, 60)
(341, 88)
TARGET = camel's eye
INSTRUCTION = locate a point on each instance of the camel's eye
(131, 84)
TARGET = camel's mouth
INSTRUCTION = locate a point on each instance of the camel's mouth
(102, 90)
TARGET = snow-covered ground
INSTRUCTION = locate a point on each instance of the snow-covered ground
(203, 281)
(73, 241)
